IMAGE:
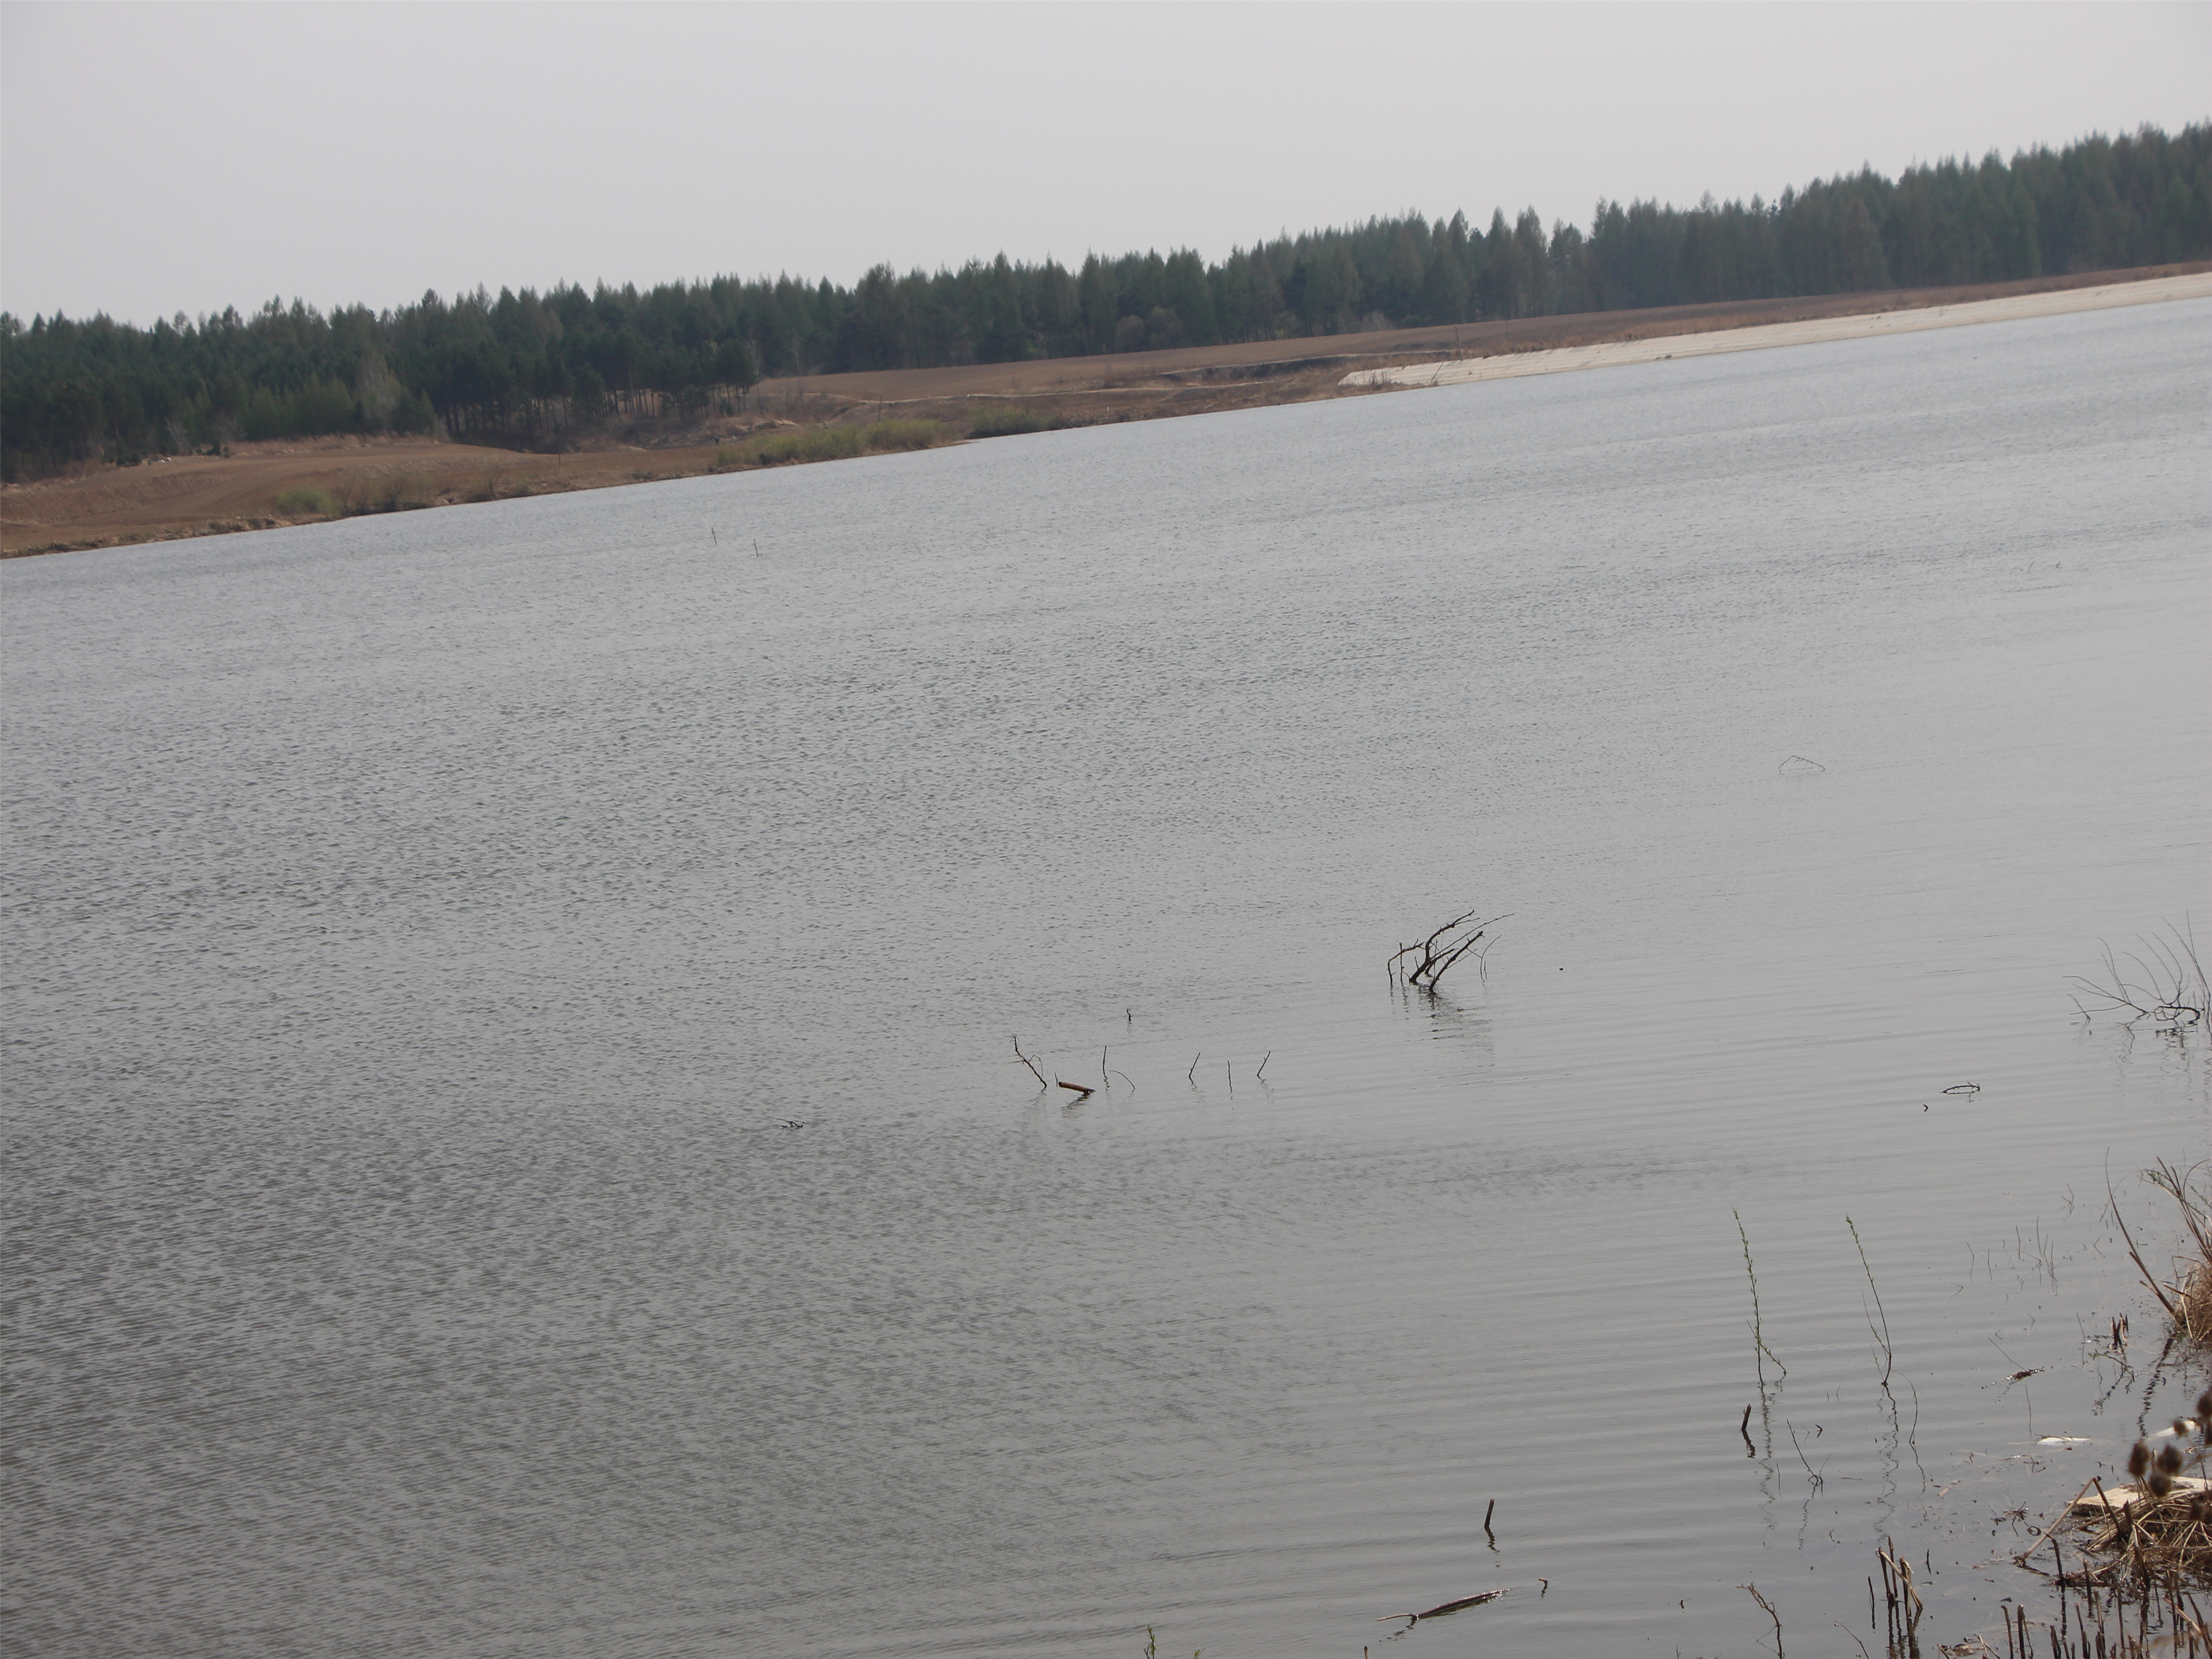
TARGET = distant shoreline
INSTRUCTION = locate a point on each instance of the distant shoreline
(1811, 332)
(201, 495)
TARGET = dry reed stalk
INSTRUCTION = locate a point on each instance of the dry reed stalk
(2191, 1289)
(2187, 1296)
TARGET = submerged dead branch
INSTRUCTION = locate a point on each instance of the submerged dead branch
(2163, 981)
(1426, 963)
(1448, 1608)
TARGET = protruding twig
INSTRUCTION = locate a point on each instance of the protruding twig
(1751, 1590)
(1192, 1073)
(1082, 1089)
(1888, 1354)
(1760, 1352)
(1813, 1475)
(2136, 1255)
(1042, 1083)
(1262, 1072)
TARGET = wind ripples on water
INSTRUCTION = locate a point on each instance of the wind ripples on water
(422, 929)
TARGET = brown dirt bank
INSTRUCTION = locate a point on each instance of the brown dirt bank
(200, 495)
(211, 495)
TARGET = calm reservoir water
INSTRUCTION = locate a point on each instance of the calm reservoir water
(422, 930)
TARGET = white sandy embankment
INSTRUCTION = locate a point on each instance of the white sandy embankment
(1614, 354)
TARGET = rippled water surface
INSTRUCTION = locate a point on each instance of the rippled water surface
(422, 930)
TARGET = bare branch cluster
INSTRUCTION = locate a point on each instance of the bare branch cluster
(2163, 981)
(1426, 963)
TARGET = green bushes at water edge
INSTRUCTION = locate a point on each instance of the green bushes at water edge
(304, 499)
(1006, 421)
(829, 443)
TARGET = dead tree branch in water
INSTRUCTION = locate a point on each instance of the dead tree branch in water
(1431, 958)
(2167, 986)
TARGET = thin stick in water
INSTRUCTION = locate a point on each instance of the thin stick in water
(1758, 1330)
(1042, 1081)
(1888, 1354)
(1751, 1590)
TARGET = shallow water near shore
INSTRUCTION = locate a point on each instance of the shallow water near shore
(424, 931)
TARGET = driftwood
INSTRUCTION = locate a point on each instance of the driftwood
(1460, 1606)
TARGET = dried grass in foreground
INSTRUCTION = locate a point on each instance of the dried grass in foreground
(2187, 1295)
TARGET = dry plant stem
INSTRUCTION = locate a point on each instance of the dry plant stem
(2136, 1256)
(2187, 1297)
(1751, 1590)
(1903, 1600)
(2191, 1289)
(1758, 1330)
(2135, 1543)
(1042, 1081)
(1888, 1354)
(1813, 1475)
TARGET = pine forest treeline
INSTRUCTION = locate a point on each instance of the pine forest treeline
(529, 366)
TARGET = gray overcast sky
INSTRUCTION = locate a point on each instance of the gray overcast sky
(180, 157)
